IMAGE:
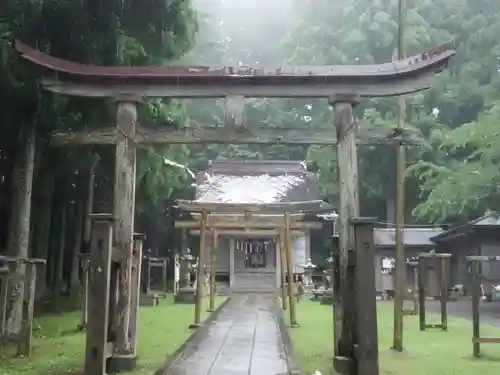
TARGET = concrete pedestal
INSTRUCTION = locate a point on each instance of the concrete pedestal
(186, 295)
(327, 298)
(149, 300)
(122, 363)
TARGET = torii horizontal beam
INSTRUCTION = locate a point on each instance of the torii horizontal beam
(315, 206)
(232, 217)
(395, 87)
(249, 217)
(255, 233)
(253, 224)
(225, 135)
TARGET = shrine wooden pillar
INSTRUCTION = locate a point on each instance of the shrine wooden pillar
(136, 290)
(283, 268)
(289, 264)
(200, 272)
(123, 211)
(347, 159)
(99, 345)
(232, 248)
(365, 335)
(277, 261)
(213, 269)
(85, 265)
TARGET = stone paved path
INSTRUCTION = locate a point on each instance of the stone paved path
(243, 340)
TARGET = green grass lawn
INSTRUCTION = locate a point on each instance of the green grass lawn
(426, 353)
(58, 349)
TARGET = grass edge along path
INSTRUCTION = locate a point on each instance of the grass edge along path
(58, 349)
(426, 353)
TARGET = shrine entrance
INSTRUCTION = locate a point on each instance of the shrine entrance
(255, 269)
(258, 254)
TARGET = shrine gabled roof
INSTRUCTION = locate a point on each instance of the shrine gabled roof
(431, 61)
(256, 182)
(489, 220)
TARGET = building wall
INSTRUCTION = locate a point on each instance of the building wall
(385, 281)
(491, 246)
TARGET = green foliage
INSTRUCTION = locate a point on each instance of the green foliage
(430, 354)
(129, 32)
(454, 170)
(466, 183)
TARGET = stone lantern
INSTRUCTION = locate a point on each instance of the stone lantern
(186, 268)
(308, 270)
(186, 293)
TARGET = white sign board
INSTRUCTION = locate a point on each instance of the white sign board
(387, 263)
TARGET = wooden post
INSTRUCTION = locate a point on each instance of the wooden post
(213, 270)
(136, 290)
(277, 261)
(476, 287)
(146, 275)
(414, 295)
(24, 348)
(399, 267)
(415, 288)
(289, 263)
(98, 349)
(185, 270)
(124, 210)
(347, 159)
(164, 276)
(85, 264)
(422, 277)
(282, 250)
(4, 293)
(232, 246)
(366, 315)
(442, 260)
(443, 276)
(200, 274)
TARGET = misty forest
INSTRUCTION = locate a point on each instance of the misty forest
(452, 175)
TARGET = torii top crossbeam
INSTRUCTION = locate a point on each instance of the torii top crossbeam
(393, 78)
(315, 206)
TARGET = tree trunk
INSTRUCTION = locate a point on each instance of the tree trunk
(59, 281)
(19, 228)
(77, 246)
(89, 205)
(42, 224)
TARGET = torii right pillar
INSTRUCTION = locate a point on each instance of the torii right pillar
(345, 300)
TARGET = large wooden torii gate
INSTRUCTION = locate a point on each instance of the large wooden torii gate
(342, 85)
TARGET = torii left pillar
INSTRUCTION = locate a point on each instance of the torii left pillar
(123, 210)
(343, 297)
